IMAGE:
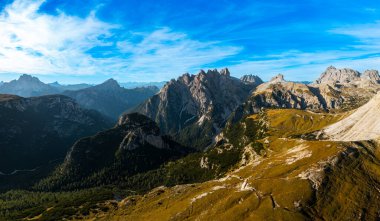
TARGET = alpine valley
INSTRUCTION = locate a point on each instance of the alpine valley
(204, 147)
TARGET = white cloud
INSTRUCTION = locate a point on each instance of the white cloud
(363, 53)
(38, 43)
(367, 35)
(170, 53)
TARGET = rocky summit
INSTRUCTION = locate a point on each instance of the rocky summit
(195, 107)
(348, 77)
(337, 90)
(252, 79)
(27, 86)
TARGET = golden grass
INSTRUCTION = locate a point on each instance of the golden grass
(269, 188)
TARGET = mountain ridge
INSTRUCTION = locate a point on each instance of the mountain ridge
(196, 104)
(110, 99)
(134, 145)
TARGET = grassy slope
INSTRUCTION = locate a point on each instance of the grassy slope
(296, 180)
(287, 178)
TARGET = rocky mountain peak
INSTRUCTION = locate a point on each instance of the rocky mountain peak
(334, 75)
(191, 102)
(55, 84)
(186, 78)
(251, 79)
(27, 86)
(135, 119)
(225, 72)
(202, 72)
(371, 75)
(278, 78)
(28, 78)
(111, 83)
(331, 68)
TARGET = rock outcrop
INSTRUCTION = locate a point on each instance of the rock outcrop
(195, 107)
(348, 77)
(372, 76)
(363, 124)
(334, 75)
(336, 90)
(277, 79)
(284, 94)
(251, 79)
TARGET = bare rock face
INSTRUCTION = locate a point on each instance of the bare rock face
(283, 94)
(251, 79)
(225, 72)
(335, 91)
(334, 75)
(145, 132)
(196, 106)
(348, 77)
(371, 75)
(363, 124)
(277, 79)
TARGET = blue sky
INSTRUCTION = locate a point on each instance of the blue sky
(89, 41)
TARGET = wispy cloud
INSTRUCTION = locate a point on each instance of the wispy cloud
(38, 43)
(303, 66)
(170, 53)
(367, 35)
(361, 53)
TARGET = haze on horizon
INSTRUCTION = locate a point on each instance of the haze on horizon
(72, 42)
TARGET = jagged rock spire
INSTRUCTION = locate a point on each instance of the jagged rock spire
(278, 78)
(225, 72)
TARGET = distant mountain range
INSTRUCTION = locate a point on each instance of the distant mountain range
(69, 87)
(29, 86)
(110, 99)
(131, 85)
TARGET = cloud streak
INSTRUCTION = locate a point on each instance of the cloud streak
(362, 53)
(38, 43)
